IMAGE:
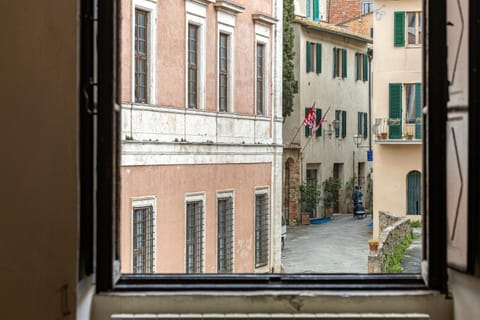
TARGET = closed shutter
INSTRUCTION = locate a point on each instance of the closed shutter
(307, 129)
(309, 56)
(337, 117)
(365, 125)
(334, 62)
(414, 193)
(418, 111)
(344, 63)
(395, 110)
(315, 10)
(399, 29)
(319, 58)
(319, 117)
(365, 67)
(344, 124)
(307, 8)
(359, 123)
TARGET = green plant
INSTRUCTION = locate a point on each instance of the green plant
(416, 224)
(309, 194)
(331, 186)
(127, 137)
(392, 263)
(289, 85)
(349, 185)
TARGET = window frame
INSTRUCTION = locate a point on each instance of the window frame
(229, 196)
(195, 198)
(108, 178)
(419, 21)
(140, 203)
(262, 265)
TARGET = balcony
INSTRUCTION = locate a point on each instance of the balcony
(395, 131)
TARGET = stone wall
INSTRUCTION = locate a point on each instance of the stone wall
(291, 193)
(392, 230)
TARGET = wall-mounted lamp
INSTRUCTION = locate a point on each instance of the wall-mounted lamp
(332, 127)
(357, 139)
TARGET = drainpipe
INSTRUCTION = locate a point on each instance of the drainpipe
(370, 57)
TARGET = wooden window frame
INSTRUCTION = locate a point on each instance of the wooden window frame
(223, 73)
(142, 57)
(225, 234)
(107, 175)
(193, 67)
(260, 78)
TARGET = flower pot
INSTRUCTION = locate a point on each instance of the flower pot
(383, 135)
(306, 218)
(373, 244)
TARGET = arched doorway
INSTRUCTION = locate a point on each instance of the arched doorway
(414, 193)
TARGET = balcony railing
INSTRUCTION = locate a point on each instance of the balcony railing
(388, 129)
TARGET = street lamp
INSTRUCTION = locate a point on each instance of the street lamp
(357, 139)
(335, 124)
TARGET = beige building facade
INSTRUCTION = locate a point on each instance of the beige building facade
(397, 87)
(201, 136)
(331, 67)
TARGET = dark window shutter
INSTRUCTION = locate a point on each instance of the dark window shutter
(418, 111)
(319, 58)
(395, 110)
(309, 56)
(307, 129)
(365, 67)
(365, 125)
(307, 8)
(344, 124)
(337, 117)
(359, 123)
(319, 117)
(344, 63)
(335, 62)
(315, 11)
(399, 29)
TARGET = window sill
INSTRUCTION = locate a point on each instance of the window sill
(399, 141)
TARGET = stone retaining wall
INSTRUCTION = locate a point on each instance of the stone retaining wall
(392, 230)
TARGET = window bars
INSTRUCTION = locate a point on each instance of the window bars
(141, 56)
(143, 240)
(225, 235)
(261, 230)
(194, 241)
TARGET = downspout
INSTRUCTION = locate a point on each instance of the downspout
(370, 57)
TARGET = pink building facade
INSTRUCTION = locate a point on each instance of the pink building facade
(200, 83)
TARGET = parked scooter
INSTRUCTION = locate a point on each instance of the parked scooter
(359, 210)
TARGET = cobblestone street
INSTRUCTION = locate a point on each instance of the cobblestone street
(338, 246)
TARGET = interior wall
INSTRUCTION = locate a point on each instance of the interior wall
(39, 115)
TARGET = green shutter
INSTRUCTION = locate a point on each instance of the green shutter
(399, 29)
(418, 110)
(334, 62)
(365, 125)
(315, 11)
(337, 117)
(307, 129)
(309, 56)
(359, 123)
(344, 63)
(307, 8)
(344, 124)
(395, 110)
(319, 58)
(414, 193)
(365, 67)
(319, 117)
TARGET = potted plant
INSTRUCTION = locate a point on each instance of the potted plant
(373, 244)
(331, 186)
(309, 194)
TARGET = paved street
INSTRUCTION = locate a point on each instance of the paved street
(338, 246)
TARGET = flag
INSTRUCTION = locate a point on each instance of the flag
(311, 117)
(321, 121)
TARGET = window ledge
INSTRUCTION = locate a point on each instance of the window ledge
(399, 141)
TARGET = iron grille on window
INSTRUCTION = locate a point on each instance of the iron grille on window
(141, 56)
(223, 72)
(194, 244)
(260, 77)
(225, 235)
(261, 230)
(192, 65)
(143, 240)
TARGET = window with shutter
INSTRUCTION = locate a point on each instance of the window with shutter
(344, 124)
(395, 110)
(309, 56)
(365, 67)
(318, 65)
(307, 9)
(337, 117)
(365, 125)
(359, 123)
(318, 133)
(418, 110)
(399, 29)
(344, 63)
(316, 10)
(335, 68)
(307, 129)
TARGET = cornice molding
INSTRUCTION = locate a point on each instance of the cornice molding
(229, 7)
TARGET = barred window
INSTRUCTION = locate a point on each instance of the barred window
(143, 239)
(261, 230)
(194, 243)
(223, 72)
(141, 56)
(225, 235)
(192, 65)
(260, 78)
